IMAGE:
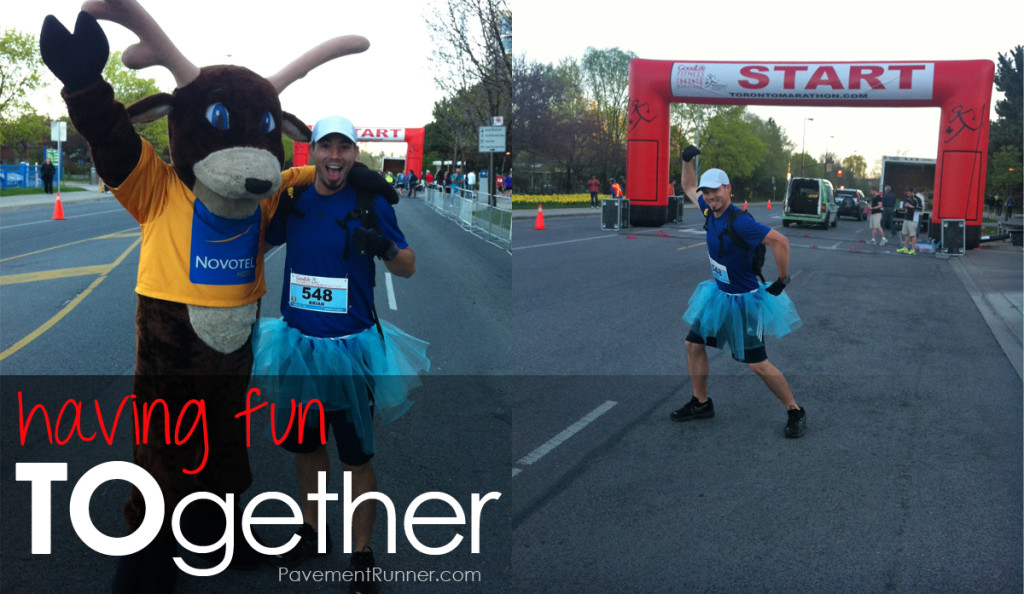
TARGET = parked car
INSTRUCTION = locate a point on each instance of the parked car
(851, 203)
(810, 200)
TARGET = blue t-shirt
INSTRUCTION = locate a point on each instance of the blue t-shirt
(731, 269)
(313, 299)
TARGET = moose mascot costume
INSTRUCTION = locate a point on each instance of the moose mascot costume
(200, 277)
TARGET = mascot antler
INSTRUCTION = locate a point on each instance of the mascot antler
(154, 47)
(321, 54)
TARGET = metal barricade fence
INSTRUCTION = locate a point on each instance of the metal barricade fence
(491, 223)
(20, 176)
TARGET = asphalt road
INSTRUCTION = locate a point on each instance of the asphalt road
(454, 440)
(909, 476)
(554, 372)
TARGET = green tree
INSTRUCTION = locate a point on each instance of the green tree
(804, 165)
(28, 131)
(855, 167)
(733, 145)
(773, 164)
(129, 87)
(1005, 172)
(20, 75)
(536, 89)
(1009, 79)
(606, 81)
(562, 127)
(475, 66)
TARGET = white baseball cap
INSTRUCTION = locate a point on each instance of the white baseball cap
(712, 179)
(334, 125)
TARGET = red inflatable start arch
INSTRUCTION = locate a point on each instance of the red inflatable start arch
(962, 89)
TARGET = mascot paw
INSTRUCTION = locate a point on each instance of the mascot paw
(76, 59)
(363, 177)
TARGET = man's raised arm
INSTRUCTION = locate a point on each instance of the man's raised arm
(689, 180)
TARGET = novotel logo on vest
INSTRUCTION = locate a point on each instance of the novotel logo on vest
(223, 251)
(902, 81)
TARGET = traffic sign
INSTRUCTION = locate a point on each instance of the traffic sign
(59, 131)
(492, 139)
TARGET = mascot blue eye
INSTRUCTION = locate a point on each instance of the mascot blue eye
(217, 115)
(267, 124)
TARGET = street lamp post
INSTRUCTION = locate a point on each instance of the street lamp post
(803, 148)
(828, 157)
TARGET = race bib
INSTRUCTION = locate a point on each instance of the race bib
(721, 273)
(318, 293)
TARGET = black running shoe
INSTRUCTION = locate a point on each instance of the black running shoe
(306, 547)
(695, 409)
(797, 422)
(362, 565)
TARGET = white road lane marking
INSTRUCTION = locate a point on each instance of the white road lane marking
(80, 216)
(391, 292)
(557, 440)
(526, 247)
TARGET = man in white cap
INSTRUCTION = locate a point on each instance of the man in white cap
(734, 310)
(329, 351)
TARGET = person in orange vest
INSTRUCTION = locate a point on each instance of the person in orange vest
(593, 186)
(616, 189)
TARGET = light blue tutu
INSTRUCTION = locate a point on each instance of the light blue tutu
(733, 319)
(288, 365)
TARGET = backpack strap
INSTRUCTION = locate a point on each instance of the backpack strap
(736, 239)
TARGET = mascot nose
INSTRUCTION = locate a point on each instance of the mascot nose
(257, 186)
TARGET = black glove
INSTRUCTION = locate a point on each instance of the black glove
(78, 59)
(690, 152)
(778, 286)
(373, 243)
(363, 177)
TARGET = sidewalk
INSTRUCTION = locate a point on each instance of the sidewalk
(89, 193)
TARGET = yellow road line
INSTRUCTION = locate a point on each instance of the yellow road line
(31, 277)
(67, 308)
(686, 247)
(132, 232)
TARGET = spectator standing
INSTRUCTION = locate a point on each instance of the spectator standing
(875, 220)
(458, 181)
(410, 181)
(911, 214)
(888, 206)
(616, 189)
(593, 186)
(46, 172)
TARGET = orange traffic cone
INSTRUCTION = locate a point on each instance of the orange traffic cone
(744, 205)
(58, 210)
(769, 204)
(540, 218)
